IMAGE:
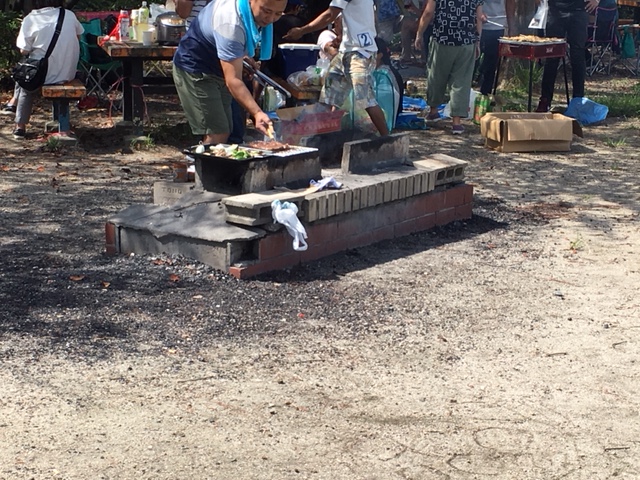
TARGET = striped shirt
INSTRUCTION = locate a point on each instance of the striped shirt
(195, 10)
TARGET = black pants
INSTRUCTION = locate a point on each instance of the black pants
(489, 47)
(573, 26)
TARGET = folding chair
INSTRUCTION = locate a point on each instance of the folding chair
(99, 69)
(602, 40)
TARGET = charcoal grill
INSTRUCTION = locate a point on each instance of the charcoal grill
(292, 168)
(532, 51)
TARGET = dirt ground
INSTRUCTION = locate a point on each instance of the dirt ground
(504, 347)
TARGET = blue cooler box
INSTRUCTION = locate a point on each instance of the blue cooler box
(298, 56)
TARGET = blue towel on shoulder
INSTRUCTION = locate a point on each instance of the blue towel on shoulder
(254, 35)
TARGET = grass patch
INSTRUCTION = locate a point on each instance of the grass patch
(142, 143)
(620, 104)
(615, 142)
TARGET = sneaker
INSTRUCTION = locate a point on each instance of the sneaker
(457, 129)
(543, 106)
(433, 115)
(19, 134)
(8, 110)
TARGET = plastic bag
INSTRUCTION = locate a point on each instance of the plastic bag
(586, 111)
(272, 99)
(539, 20)
(286, 213)
(628, 47)
(311, 77)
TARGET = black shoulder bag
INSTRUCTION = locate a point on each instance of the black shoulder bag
(31, 73)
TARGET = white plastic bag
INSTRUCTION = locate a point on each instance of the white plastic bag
(446, 113)
(286, 213)
(539, 20)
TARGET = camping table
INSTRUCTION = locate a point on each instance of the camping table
(532, 51)
(135, 83)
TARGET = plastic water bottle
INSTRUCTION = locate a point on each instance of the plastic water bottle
(123, 21)
(143, 14)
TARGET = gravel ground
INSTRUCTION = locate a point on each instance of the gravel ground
(498, 348)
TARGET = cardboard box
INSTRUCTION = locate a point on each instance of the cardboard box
(529, 132)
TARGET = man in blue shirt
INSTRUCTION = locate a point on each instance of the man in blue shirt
(207, 68)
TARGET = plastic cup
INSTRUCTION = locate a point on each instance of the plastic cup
(147, 38)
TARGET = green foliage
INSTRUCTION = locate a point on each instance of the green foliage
(520, 78)
(105, 5)
(620, 104)
(9, 28)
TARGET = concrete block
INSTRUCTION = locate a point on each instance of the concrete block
(331, 203)
(395, 189)
(447, 169)
(356, 199)
(168, 193)
(340, 194)
(363, 156)
(348, 201)
(387, 191)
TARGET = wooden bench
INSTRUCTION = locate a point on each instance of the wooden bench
(61, 95)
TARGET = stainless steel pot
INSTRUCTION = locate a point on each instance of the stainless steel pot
(170, 28)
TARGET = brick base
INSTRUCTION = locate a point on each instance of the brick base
(360, 228)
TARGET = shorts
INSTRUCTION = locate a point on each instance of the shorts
(350, 71)
(206, 102)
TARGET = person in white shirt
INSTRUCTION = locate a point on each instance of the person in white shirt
(34, 38)
(352, 69)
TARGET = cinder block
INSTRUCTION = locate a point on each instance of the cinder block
(331, 203)
(446, 168)
(364, 196)
(322, 205)
(168, 193)
(410, 185)
(355, 199)
(348, 201)
(371, 195)
(311, 209)
(363, 156)
(387, 191)
(395, 189)
(379, 193)
(402, 188)
(340, 194)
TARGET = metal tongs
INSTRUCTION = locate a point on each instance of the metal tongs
(262, 78)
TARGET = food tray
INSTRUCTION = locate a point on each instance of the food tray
(207, 155)
(517, 42)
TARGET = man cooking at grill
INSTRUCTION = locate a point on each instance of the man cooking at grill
(207, 67)
(352, 68)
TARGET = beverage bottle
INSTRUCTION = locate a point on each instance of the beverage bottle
(143, 14)
(480, 108)
(123, 22)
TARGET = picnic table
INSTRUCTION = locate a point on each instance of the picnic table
(635, 4)
(135, 83)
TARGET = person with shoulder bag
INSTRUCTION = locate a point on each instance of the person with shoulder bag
(36, 35)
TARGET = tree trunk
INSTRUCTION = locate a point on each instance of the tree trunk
(525, 10)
